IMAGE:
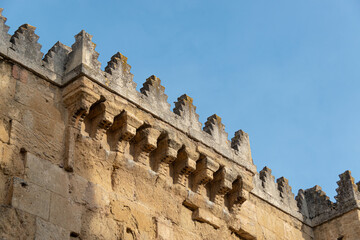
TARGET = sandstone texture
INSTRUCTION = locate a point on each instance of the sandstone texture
(84, 155)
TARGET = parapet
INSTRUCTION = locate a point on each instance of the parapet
(62, 65)
(218, 175)
(315, 205)
(312, 206)
(277, 193)
(214, 175)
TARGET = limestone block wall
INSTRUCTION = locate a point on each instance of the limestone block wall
(84, 155)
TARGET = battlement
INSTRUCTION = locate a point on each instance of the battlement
(312, 206)
(315, 205)
(127, 146)
(62, 65)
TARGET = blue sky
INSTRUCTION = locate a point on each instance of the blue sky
(286, 72)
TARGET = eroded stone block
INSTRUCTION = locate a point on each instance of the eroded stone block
(16, 224)
(65, 213)
(46, 174)
(48, 231)
(164, 230)
(244, 227)
(30, 198)
(203, 215)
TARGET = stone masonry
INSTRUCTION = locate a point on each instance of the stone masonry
(84, 155)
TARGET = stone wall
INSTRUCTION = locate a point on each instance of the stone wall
(84, 155)
(343, 227)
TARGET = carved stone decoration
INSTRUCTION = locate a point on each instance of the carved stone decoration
(155, 93)
(236, 196)
(123, 129)
(78, 98)
(144, 142)
(83, 155)
(216, 129)
(99, 119)
(205, 168)
(120, 75)
(165, 153)
(56, 57)
(184, 108)
(184, 165)
(4, 29)
(221, 184)
(25, 43)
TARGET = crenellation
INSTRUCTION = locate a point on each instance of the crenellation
(268, 182)
(119, 74)
(286, 193)
(241, 144)
(83, 59)
(216, 129)
(4, 35)
(125, 151)
(348, 191)
(56, 58)
(155, 94)
(316, 205)
(318, 202)
(277, 193)
(302, 203)
(187, 111)
(25, 43)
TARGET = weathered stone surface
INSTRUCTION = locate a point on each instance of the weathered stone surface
(164, 229)
(82, 60)
(48, 231)
(4, 131)
(344, 227)
(347, 191)
(102, 161)
(16, 224)
(216, 129)
(30, 198)
(241, 143)
(56, 58)
(120, 77)
(65, 213)
(25, 43)
(155, 93)
(187, 111)
(47, 175)
(244, 227)
(4, 36)
(202, 215)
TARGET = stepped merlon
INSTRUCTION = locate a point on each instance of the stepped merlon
(103, 116)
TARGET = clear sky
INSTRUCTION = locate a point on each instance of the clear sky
(286, 72)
